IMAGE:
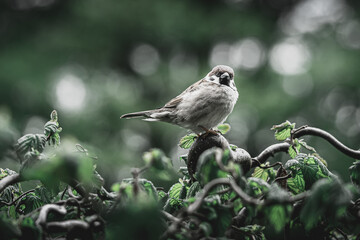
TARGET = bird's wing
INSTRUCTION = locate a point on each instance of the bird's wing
(173, 103)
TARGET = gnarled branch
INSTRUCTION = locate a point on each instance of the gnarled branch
(304, 131)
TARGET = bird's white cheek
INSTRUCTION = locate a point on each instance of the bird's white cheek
(213, 79)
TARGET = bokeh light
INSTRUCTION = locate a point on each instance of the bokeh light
(349, 34)
(70, 93)
(290, 57)
(145, 59)
(312, 15)
(298, 85)
(247, 54)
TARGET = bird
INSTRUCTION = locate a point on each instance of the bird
(202, 106)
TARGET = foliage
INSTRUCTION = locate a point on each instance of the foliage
(70, 200)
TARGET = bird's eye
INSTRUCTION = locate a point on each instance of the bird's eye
(218, 74)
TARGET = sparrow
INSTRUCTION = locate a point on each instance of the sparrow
(202, 106)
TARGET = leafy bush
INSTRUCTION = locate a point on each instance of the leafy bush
(224, 193)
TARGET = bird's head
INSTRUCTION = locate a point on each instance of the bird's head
(222, 75)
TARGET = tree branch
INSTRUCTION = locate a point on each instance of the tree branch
(18, 198)
(269, 152)
(9, 180)
(222, 181)
(302, 131)
(41, 220)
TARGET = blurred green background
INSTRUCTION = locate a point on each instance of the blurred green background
(96, 60)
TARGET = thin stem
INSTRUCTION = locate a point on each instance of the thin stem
(63, 194)
(283, 177)
(18, 198)
(222, 181)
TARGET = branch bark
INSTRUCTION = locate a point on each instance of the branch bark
(9, 180)
(300, 132)
(312, 131)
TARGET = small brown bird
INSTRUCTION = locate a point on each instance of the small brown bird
(202, 106)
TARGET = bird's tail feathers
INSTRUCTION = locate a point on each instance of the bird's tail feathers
(136, 114)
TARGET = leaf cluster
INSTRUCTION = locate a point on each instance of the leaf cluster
(298, 199)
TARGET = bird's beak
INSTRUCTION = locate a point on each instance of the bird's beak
(225, 79)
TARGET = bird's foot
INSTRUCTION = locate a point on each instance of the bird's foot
(209, 131)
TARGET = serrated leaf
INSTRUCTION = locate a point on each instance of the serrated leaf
(265, 174)
(355, 173)
(31, 202)
(50, 127)
(283, 130)
(176, 196)
(193, 190)
(328, 200)
(187, 141)
(296, 184)
(224, 128)
(309, 167)
(177, 192)
(29, 142)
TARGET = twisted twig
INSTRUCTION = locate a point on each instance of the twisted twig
(303, 131)
(18, 198)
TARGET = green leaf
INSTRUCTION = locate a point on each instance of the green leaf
(296, 184)
(254, 231)
(145, 186)
(115, 187)
(176, 196)
(31, 202)
(157, 159)
(207, 167)
(283, 130)
(206, 228)
(278, 211)
(328, 200)
(278, 215)
(218, 215)
(355, 173)
(52, 129)
(177, 192)
(224, 128)
(62, 167)
(29, 142)
(257, 187)
(265, 174)
(193, 190)
(309, 167)
(184, 171)
(187, 140)
(294, 148)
